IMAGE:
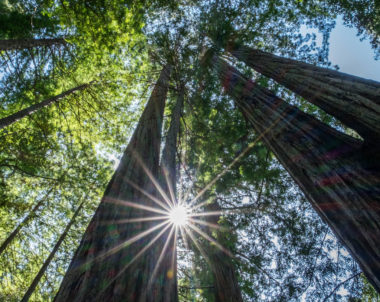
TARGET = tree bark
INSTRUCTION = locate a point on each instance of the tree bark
(226, 284)
(168, 182)
(328, 166)
(168, 162)
(42, 270)
(17, 44)
(105, 267)
(31, 214)
(352, 100)
(9, 120)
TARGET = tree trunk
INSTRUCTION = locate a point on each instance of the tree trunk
(31, 214)
(16, 44)
(168, 183)
(6, 121)
(329, 166)
(169, 153)
(105, 267)
(353, 100)
(226, 284)
(42, 270)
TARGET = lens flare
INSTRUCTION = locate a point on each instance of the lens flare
(179, 215)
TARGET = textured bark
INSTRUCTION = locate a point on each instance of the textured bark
(15, 44)
(6, 121)
(353, 100)
(169, 153)
(168, 182)
(101, 269)
(329, 166)
(42, 270)
(226, 284)
(31, 214)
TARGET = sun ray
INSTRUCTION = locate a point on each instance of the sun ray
(170, 187)
(208, 224)
(197, 244)
(153, 179)
(225, 170)
(212, 240)
(138, 255)
(133, 205)
(210, 213)
(161, 256)
(150, 196)
(124, 244)
(132, 220)
(174, 254)
(184, 237)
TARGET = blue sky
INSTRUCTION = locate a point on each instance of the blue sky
(352, 55)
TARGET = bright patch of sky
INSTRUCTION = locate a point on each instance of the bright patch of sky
(349, 53)
(352, 55)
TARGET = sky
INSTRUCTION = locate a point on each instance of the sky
(352, 55)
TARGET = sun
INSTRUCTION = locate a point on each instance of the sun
(179, 215)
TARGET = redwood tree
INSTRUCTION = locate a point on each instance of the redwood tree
(328, 165)
(105, 267)
(353, 100)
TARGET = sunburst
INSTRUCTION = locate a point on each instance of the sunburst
(179, 217)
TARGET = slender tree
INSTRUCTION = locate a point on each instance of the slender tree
(353, 100)
(6, 121)
(326, 164)
(16, 44)
(31, 214)
(107, 266)
(42, 270)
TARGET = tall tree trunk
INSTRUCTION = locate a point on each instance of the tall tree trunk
(168, 183)
(105, 267)
(6, 121)
(42, 270)
(328, 166)
(226, 284)
(31, 214)
(353, 100)
(15, 44)
(168, 162)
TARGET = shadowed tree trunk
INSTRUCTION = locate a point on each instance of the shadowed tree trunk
(6, 121)
(168, 162)
(353, 100)
(327, 165)
(226, 284)
(117, 255)
(42, 270)
(31, 214)
(168, 183)
(16, 44)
